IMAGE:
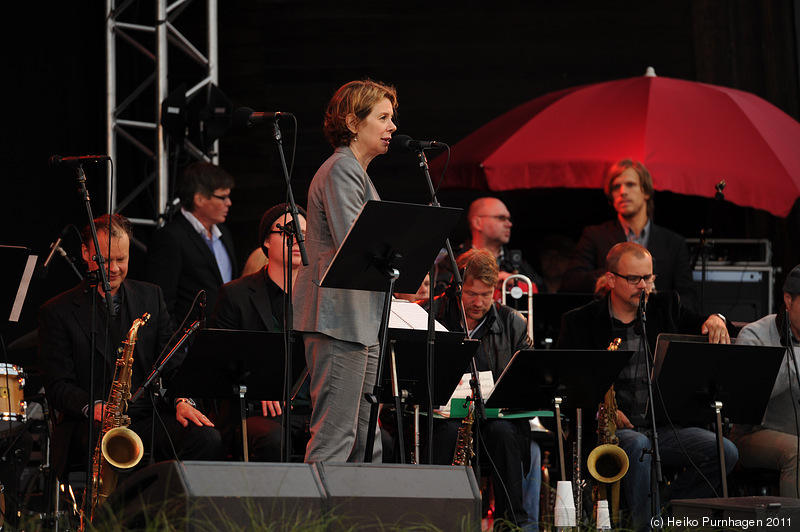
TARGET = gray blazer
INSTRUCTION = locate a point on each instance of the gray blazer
(338, 191)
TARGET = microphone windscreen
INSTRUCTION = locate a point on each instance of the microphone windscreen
(241, 117)
(399, 143)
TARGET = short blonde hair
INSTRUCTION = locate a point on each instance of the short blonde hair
(354, 98)
(479, 264)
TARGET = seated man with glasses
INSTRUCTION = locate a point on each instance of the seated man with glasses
(490, 226)
(691, 451)
(194, 251)
(256, 302)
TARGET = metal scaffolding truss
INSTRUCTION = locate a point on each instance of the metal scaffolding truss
(141, 38)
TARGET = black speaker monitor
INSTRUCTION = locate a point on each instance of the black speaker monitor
(424, 497)
(193, 494)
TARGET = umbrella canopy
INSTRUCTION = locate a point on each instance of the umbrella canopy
(689, 135)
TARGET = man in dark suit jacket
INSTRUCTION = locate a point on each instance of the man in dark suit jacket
(255, 302)
(195, 250)
(690, 450)
(66, 355)
(629, 188)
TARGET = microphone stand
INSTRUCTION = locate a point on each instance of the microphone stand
(288, 310)
(71, 262)
(290, 229)
(656, 475)
(457, 282)
(93, 283)
(702, 245)
(158, 367)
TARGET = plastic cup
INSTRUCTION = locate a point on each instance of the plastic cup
(564, 514)
(603, 517)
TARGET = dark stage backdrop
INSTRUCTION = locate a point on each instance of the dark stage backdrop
(456, 65)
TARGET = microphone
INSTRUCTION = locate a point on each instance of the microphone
(246, 117)
(643, 304)
(55, 246)
(78, 160)
(400, 143)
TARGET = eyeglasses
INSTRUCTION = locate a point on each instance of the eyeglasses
(281, 232)
(499, 217)
(636, 279)
(223, 198)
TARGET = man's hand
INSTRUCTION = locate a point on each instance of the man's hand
(98, 411)
(184, 413)
(271, 408)
(622, 421)
(715, 328)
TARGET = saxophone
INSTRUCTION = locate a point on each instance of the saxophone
(463, 454)
(607, 462)
(118, 447)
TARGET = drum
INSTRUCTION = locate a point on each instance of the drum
(13, 409)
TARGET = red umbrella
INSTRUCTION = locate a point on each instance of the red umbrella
(689, 135)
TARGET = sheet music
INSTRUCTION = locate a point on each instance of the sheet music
(464, 390)
(25, 282)
(408, 315)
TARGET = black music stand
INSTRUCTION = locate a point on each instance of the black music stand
(18, 266)
(388, 234)
(389, 248)
(696, 380)
(580, 377)
(453, 353)
(230, 364)
(576, 378)
(407, 375)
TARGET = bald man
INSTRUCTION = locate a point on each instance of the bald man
(490, 228)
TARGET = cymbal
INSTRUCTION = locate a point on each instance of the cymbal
(25, 341)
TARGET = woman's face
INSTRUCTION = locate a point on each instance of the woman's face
(375, 131)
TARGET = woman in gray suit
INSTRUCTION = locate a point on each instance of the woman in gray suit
(340, 327)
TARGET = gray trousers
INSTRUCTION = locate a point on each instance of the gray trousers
(341, 373)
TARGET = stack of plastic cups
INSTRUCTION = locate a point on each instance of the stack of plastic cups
(564, 518)
(603, 518)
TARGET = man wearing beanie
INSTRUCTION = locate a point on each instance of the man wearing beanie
(774, 443)
(255, 302)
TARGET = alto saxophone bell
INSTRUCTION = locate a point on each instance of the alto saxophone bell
(607, 463)
(122, 448)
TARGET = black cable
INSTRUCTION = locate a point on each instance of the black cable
(499, 477)
(680, 443)
(444, 171)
